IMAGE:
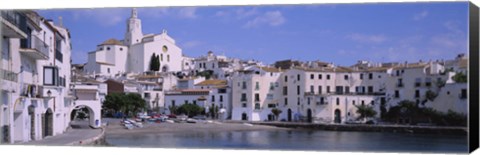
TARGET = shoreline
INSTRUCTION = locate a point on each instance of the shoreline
(439, 130)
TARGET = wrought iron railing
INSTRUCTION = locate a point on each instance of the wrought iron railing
(8, 75)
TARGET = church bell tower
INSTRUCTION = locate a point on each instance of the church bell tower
(134, 33)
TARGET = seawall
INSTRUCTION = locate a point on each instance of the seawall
(93, 141)
(372, 128)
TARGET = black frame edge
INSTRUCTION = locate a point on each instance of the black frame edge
(473, 77)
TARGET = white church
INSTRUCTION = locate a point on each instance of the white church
(133, 54)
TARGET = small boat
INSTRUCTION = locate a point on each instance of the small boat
(189, 120)
(139, 125)
(129, 126)
(170, 121)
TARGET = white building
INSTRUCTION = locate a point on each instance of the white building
(35, 66)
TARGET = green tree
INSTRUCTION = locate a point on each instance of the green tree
(430, 95)
(459, 77)
(365, 111)
(154, 63)
(126, 103)
(173, 109)
(190, 110)
(276, 112)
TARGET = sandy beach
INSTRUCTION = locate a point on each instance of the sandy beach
(116, 128)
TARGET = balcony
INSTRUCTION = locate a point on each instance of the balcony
(34, 48)
(8, 75)
(12, 24)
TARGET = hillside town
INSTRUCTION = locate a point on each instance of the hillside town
(41, 89)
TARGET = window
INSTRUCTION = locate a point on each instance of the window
(244, 85)
(345, 77)
(257, 86)
(186, 101)
(298, 101)
(328, 89)
(194, 102)
(108, 48)
(244, 105)
(285, 90)
(173, 102)
(370, 89)
(370, 76)
(298, 77)
(272, 86)
(168, 58)
(397, 94)
(147, 95)
(286, 78)
(308, 100)
(50, 75)
(312, 76)
(213, 98)
(312, 89)
(363, 102)
(338, 101)
(328, 76)
(361, 76)
(353, 102)
(417, 93)
(121, 49)
(257, 97)
(372, 103)
(319, 89)
(339, 89)
(161, 57)
(221, 98)
(286, 101)
(257, 106)
(347, 89)
(108, 70)
(320, 76)
(213, 65)
(244, 97)
(271, 106)
(298, 90)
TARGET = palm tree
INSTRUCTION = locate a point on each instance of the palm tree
(276, 112)
(365, 112)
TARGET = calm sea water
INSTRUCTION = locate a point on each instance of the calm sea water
(298, 140)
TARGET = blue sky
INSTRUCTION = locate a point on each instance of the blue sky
(342, 33)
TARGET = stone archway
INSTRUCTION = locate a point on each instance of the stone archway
(92, 108)
(47, 123)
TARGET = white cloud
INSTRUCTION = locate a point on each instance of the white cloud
(420, 16)
(271, 18)
(187, 12)
(367, 38)
(104, 17)
(154, 12)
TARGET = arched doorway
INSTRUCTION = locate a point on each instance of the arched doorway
(309, 115)
(165, 68)
(83, 116)
(31, 113)
(289, 113)
(244, 117)
(47, 123)
(338, 119)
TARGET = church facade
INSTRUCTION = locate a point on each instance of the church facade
(133, 54)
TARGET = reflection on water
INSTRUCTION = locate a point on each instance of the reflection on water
(298, 140)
